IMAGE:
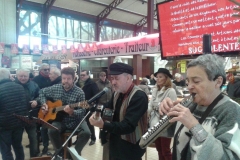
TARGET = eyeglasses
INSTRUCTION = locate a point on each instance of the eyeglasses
(82, 75)
(103, 75)
(46, 69)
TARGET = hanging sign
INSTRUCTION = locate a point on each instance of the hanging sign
(2, 46)
(128, 46)
(45, 49)
(14, 48)
(25, 49)
(55, 50)
(36, 49)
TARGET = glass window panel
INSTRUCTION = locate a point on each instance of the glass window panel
(84, 32)
(35, 24)
(127, 34)
(109, 33)
(70, 29)
(106, 33)
(61, 26)
(60, 43)
(117, 33)
(35, 41)
(52, 41)
(52, 26)
(23, 39)
(24, 23)
(91, 31)
(76, 30)
(69, 43)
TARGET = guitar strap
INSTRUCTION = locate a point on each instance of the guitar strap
(204, 116)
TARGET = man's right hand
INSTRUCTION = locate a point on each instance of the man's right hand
(44, 108)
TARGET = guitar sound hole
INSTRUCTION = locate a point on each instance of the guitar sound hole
(54, 110)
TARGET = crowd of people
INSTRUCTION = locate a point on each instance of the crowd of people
(209, 129)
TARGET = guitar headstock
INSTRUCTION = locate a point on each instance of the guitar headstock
(84, 104)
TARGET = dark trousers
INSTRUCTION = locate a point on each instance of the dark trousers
(12, 138)
(91, 128)
(33, 143)
(163, 147)
(55, 136)
(45, 138)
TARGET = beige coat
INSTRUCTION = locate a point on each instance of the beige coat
(157, 98)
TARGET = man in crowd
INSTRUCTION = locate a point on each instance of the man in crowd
(102, 83)
(31, 91)
(212, 130)
(55, 75)
(130, 115)
(90, 89)
(43, 81)
(12, 101)
(70, 117)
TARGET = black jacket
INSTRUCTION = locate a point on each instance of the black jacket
(42, 81)
(90, 89)
(32, 91)
(57, 81)
(12, 100)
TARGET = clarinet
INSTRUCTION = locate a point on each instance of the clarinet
(152, 134)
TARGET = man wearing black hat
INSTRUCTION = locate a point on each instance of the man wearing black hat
(129, 122)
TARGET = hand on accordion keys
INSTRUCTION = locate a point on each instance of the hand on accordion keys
(153, 133)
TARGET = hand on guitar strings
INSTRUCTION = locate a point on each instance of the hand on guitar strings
(68, 110)
(96, 122)
(178, 112)
(33, 103)
(44, 108)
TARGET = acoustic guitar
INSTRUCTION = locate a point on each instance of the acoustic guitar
(55, 107)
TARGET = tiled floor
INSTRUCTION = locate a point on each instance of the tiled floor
(93, 152)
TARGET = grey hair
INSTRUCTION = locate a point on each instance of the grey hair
(22, 70)
(4, 74)
(43, 65)
(177, 75)
(56, 71)
(212, 64)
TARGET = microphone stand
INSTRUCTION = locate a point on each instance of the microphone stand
(91, 110)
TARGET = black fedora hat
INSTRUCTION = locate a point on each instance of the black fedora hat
(164, 71)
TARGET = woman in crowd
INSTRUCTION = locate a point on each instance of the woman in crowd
(162, 90)
(211, 131)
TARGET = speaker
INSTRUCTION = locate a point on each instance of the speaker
(207, 43)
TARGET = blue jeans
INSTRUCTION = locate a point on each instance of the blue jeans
(12, 138)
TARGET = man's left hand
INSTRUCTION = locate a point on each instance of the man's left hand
(68, 110)
(96, 122)
(33, 103)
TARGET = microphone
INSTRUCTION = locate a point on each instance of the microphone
(98, 95)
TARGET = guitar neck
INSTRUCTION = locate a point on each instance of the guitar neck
(61, 108)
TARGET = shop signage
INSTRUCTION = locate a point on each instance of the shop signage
(129, 46)
(54, 56)
(36, 49)
(25, 49)
(2, 45)
(15, 63)
(26, 61)
(14, 48)
(45, 49)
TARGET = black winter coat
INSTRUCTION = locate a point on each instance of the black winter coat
(90, 89)
(12, 101)
(42, 81)
(32, 91)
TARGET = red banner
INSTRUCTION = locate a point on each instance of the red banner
(2, 45)
(36, 49)
(14, 48)
(80, 48)
(72, 49)
(55, 49)
(45, 49)
(25, 49)
(64, 49)
(87, 47)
